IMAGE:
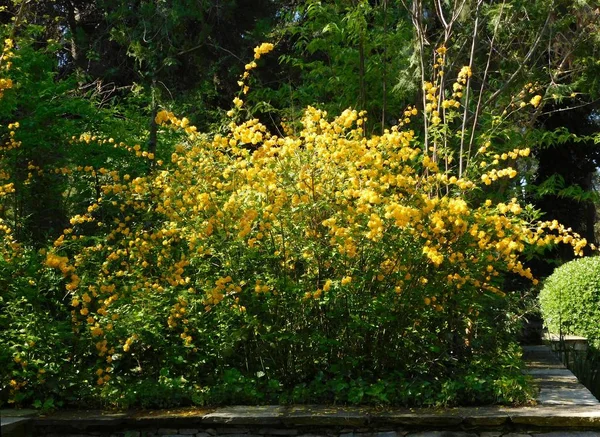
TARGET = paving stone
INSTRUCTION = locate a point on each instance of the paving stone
(190, 431)
(551, 372)
(516, 434)
(211, 431)
(246, 415)
(202, 434)
(490, 434)
(167, 431)
(556, 416)
(578, 395)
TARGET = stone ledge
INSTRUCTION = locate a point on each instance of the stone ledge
(274, 421)
(322, 417)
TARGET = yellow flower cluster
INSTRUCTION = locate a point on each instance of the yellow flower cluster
(263, 49)
(5, 64)
(166, 118)
(260, 50)
(8, 247)
(437, 106)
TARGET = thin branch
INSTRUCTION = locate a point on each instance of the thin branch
(522, 63)
(569, 108)
(467, 86)
(483, 81)
(440, 12)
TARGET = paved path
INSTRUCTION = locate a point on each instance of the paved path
(558, 386)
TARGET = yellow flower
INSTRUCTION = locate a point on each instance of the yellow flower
(535, 101)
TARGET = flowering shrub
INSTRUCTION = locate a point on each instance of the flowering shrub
(324, 255)
(322, 265)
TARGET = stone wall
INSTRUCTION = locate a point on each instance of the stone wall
(315, 432)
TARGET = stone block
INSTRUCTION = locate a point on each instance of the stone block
(244, 435)
(278, 431)
(76, 435)
(386, 434)
(227, 431)
(441, 434)
(167, 431)
(188, 431)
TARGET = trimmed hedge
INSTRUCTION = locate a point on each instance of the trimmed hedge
(571, 299)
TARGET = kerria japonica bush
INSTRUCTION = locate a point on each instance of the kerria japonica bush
(323, 265)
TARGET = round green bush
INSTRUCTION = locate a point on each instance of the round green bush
(570, 299)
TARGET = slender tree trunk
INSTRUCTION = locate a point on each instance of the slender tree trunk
(153, 138)
(361, 67)
(384, 81)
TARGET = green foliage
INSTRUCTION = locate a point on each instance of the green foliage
(39, 357)
(343, 54)
(570, 299)
(52, 113)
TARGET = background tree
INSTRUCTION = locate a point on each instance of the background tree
(521, 54)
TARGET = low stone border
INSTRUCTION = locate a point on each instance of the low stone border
(314, 421)
(565, 408)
